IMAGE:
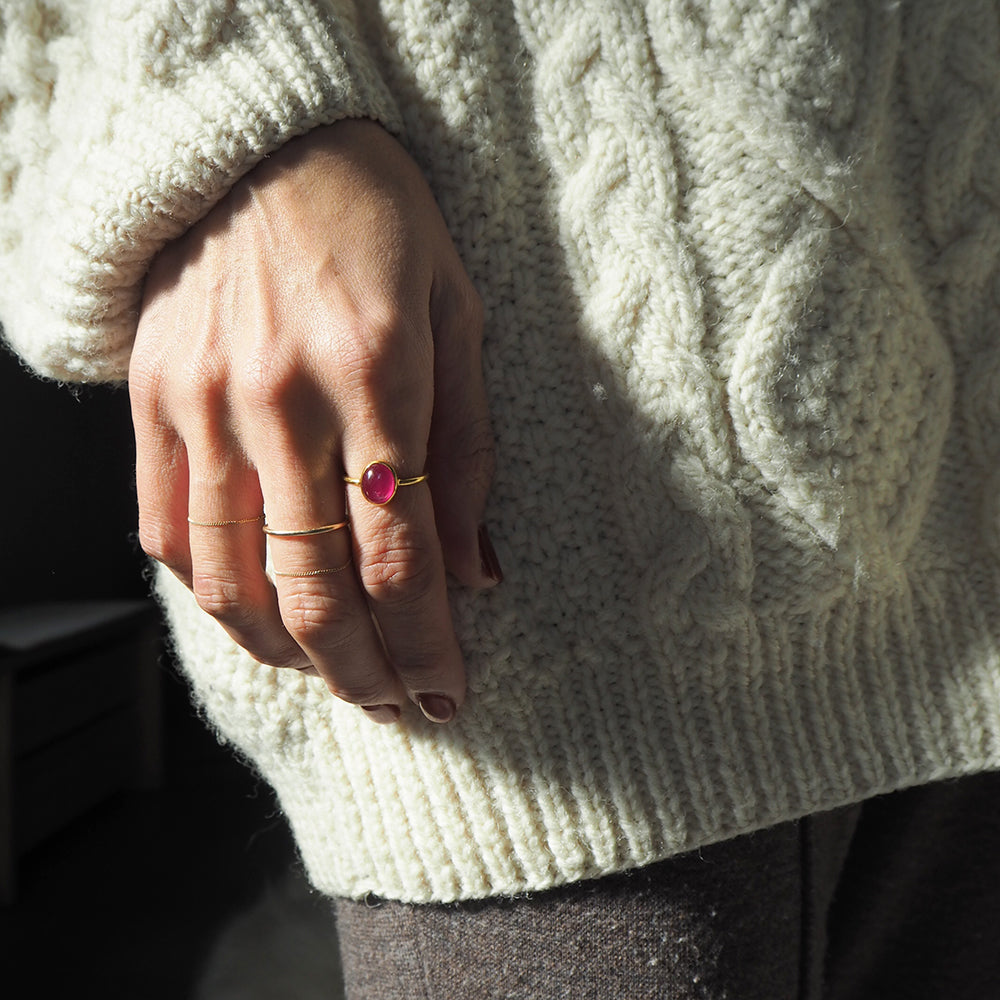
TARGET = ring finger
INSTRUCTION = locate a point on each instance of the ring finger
(402, 570)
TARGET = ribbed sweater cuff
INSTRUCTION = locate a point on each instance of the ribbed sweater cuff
(142, 150)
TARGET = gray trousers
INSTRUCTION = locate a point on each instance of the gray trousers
(896, 898)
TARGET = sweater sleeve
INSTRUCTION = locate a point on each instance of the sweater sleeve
(122, 122)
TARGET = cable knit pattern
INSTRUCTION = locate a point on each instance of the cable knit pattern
(741, 269)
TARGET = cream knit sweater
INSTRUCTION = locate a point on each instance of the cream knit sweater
(741, 265)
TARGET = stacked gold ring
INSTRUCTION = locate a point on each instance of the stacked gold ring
(301, 532)
(305, 532)
(225, 524)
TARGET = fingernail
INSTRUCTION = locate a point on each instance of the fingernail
(488, 556)
(437, 707)
(382, 713)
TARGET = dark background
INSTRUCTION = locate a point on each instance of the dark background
(67, 507)
(127, 900)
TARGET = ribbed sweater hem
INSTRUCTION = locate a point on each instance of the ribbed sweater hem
(535, 791)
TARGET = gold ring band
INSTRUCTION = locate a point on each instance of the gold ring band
(315, 572)
(225, 524)
(412, 481)
(299, 532)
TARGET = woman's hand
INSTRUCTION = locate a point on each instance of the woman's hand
(316, 321)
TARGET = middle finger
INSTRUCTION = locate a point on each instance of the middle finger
(321, 603)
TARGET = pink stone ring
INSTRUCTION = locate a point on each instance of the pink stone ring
(379, 482)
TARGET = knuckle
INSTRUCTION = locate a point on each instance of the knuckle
(163, 545)
(269, 383)
(148, 393)
(380, 328)
(318, 619)
(145, 382)
(400, 574)
(202, 385)
(383, 355)
(221, 598)
(461, 310)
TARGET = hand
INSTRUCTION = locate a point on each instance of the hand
(317, 320)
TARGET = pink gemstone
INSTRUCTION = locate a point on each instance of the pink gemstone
(378, 483)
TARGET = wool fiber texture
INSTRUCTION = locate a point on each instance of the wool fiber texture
(740, 268)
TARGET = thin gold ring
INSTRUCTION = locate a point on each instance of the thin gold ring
(225, 524)
(297, 532)
(316, 572)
